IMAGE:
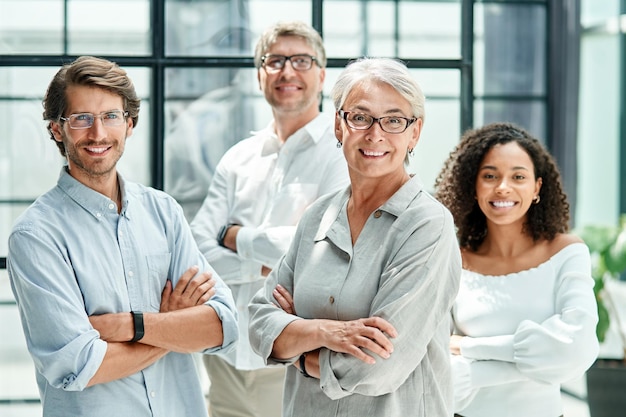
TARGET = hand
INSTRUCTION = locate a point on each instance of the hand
(284, 299)
(354, 336)
(192, 289)
(455, 344)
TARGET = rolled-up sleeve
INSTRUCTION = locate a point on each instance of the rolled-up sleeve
(65, 348)
(186, 254)
(266, 320)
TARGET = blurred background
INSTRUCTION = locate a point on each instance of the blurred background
(555, 67)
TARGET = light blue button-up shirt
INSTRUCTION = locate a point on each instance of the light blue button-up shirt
(71, 256)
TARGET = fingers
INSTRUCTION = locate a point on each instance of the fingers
(360, 337)
(200, 289)
(185, 278)
(204, 292)
(192, 289)
(375, 341)
(284, 299)
(194, 285)
(381, 324)
(165, 296)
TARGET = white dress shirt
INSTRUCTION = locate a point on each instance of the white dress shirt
(265, 186)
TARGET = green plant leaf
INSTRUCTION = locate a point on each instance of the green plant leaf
(615, 256)
(604, 321)
(607, 245)
(598, 237)
(598, 285)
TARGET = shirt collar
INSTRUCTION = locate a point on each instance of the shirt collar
(402, 199)
(89, 199)
(397, 204)
(307, 135)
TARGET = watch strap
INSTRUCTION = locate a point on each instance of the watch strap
(221, 235)
(138, 324)
(303, 371)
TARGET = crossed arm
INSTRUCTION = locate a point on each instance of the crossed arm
(183, 324)
(353, 337)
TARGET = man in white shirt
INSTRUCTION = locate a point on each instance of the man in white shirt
(259, 191)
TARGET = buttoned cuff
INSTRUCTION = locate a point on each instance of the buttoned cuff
(245, 237)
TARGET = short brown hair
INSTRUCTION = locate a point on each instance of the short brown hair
(88, 71)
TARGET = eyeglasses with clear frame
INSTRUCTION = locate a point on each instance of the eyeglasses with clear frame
(299, 62)
(86, 120)
(389, 124)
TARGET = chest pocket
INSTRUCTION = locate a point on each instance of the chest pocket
(158, 273)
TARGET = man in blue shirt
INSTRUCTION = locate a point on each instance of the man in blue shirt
(112, 290)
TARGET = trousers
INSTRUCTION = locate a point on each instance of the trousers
(237, 393)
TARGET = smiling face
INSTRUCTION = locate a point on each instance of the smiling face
(506, 185)
(374, 153)
(92, 153)
(288, 90)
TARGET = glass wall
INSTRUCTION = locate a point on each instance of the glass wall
(191, 61)
(601, 91)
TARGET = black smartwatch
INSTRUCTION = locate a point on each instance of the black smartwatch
(303, 371)
(221, 235)
(138, 322)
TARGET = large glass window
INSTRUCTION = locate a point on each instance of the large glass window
(601, 155)
(222, 107)
(510, 55)
(75, 27)
(407, 29)
(192, 64)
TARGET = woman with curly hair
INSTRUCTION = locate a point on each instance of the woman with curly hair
(525, 315)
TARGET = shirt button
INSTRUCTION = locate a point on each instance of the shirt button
(152, 394)
(111, 206)
(98, 215)
(131, 274)
(378, 213)
(331, 299)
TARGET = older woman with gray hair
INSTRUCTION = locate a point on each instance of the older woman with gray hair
(358, 308)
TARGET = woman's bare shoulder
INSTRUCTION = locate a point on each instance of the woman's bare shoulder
(561, 241)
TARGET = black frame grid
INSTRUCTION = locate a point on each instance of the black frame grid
(158, 62)
(561, 113)
(561, 129)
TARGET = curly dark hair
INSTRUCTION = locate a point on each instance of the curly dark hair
(455, 185)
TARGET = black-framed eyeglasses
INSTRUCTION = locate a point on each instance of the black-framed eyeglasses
(86, 120)
(299, 62)
(389, 124)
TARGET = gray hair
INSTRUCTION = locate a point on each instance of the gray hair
(386, 70)
(293, 28)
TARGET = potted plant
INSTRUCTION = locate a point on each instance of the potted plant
(606, 379)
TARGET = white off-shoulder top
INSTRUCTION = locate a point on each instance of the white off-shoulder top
(526, 333)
